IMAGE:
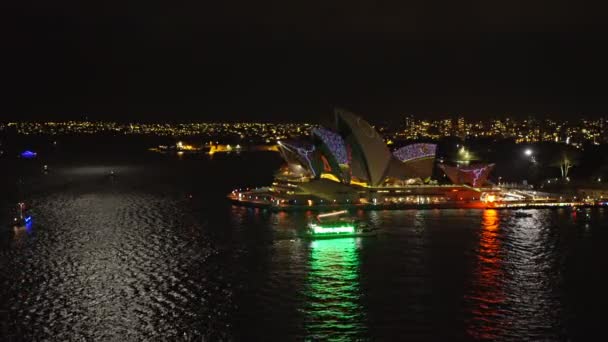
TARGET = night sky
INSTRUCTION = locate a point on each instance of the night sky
(295, 61)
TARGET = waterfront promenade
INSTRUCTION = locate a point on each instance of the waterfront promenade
(273, 206)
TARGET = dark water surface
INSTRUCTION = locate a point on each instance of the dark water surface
(157, 253)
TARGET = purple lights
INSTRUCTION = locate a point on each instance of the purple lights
(477, 173)
(415, 151)
(334, 143)
(301, 149)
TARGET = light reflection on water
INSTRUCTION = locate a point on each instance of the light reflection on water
(488, 295)
(516, 286)
(332, 307)
(130, 258)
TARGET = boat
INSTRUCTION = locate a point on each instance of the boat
(520, 214)
(19, 222)
(28, 154)
(21, 219)
(337, 225)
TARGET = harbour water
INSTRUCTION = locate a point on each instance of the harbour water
(158, 253)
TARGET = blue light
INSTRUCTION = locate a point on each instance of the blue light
(28, 224)
(28, 154)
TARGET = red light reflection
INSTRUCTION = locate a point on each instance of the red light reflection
(487, 296)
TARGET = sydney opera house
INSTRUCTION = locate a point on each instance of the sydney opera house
(351, 164)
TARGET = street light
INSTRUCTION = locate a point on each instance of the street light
(529, 153)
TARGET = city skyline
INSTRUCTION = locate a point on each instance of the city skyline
(575, 131)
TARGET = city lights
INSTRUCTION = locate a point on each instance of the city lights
(530, 130)
(575, 132)
(248, 131)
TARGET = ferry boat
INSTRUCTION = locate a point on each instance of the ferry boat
(337, 225)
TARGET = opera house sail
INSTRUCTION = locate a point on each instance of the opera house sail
(300, 157)
(367, 146)
(333, 153)
(474, 175)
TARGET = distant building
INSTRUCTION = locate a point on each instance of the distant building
(459, 127)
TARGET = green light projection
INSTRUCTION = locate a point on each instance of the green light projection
(333, 309)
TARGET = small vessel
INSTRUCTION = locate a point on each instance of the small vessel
(581, 213)
(521, 214)
(337, 225)
(21, 219)
(584, 212)
(28, 154)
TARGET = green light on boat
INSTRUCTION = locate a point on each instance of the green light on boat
(333, 230)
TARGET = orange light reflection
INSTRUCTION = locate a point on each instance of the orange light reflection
(487, 295)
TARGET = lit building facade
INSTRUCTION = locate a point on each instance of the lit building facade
(351, 164)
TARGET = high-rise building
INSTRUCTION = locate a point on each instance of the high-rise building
(459, 127)
(410, 125)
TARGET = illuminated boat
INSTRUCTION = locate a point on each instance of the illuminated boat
(28, 154)
(19, 222)
(22, 219)
(337, 225)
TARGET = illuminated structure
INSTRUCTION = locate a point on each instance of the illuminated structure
(351, 164)
(334, 143)
(354, 153)
(369, 155)
(300, 157)
(415, 151)
(417, 161)
(474, 175)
